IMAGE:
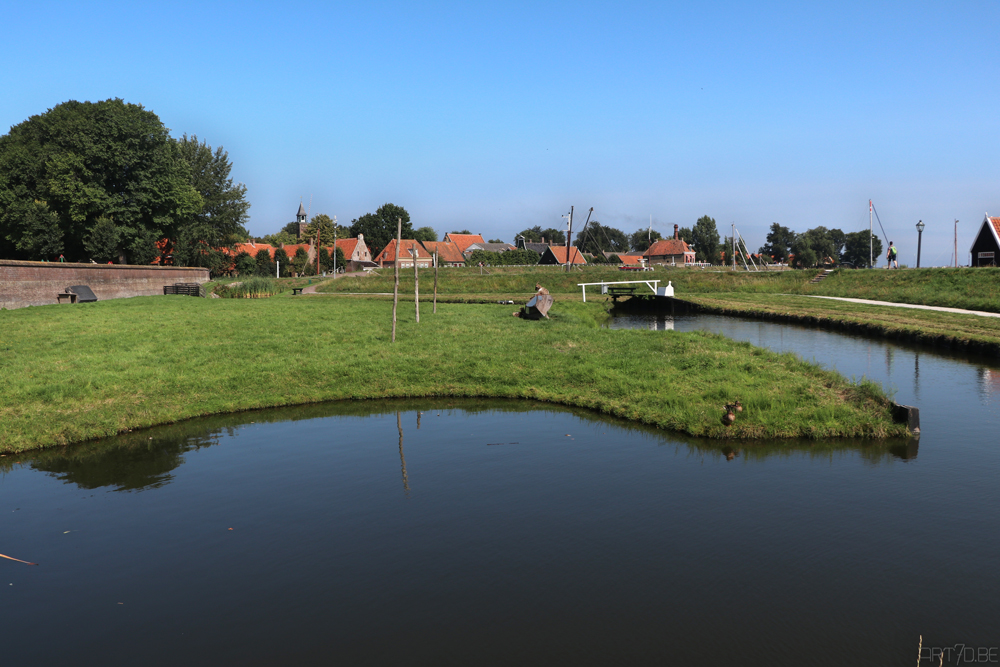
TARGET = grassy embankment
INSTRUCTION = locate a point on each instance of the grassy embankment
(74, 373)
(767, 295)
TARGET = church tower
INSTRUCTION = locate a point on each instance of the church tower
(300, 218)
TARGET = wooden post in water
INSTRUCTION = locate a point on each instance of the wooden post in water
(435, 282)
(416, 280)
(395, 290)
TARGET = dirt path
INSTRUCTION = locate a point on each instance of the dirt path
(868, 302)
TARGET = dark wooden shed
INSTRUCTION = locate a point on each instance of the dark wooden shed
(986, 248)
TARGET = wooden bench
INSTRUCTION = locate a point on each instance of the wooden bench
(616, 290)
(296, 290)
(65, 295)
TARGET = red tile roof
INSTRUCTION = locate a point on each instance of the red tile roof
(253, 248)
(667, 247)
(559, 252)
(447, 252)
(291, 249)
(463, 241)
(996, 226)
(630, 259)
(406, 248)
(347, 247)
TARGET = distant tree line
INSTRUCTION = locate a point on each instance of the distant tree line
(820, 245)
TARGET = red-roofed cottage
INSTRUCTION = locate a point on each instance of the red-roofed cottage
(670, 251)
(556, 254)
(463, 241)
(448, 253)
(986, 248)
(408, 251)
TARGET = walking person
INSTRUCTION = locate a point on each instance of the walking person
(890, 257)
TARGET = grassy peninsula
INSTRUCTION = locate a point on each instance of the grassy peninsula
(75, 373)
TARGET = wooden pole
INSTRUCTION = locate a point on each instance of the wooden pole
(435, 282)
(416, 280)
(395, 290)
(317, 252)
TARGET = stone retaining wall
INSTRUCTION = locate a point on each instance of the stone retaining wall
(37, 283)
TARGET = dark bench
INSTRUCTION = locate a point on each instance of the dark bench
(621, 290)
(187, 289)
(296, 290)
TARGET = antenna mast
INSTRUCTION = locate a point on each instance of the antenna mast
(871, 244)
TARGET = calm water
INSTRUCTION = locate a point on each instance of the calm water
(486, 532)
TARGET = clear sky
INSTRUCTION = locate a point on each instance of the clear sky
(497, 118)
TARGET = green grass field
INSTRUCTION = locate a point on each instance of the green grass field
(73, 373)
(973, 289)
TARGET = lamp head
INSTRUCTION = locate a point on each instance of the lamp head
(920, 225)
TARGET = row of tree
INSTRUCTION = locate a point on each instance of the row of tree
(105, 181)
(820, 245)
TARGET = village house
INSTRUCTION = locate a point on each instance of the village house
(463, 241)
(670, 251)
(986, 248)
(488, 247)
(409, 251)
(356, 253)
(447, 252)
(556, 254)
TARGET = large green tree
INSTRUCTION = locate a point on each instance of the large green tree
(221, 220)
(425, 234)
(380, 227)
(595, 238)
(536, 234)
(779, 242)
(641, 239)
(705, 239)
(62, 170)
(326, 227)
(857, 248)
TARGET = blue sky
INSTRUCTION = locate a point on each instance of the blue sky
(499, 118)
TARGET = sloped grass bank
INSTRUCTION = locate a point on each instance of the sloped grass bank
(75, 373)
(973, 289)
(950, 330)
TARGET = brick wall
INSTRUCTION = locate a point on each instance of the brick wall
(37, 283)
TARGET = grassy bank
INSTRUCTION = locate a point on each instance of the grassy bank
(968, 332)
(75, 373)
(974, 289)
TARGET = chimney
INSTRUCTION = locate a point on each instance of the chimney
(676, 233)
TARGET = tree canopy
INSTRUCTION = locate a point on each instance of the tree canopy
(641, 239)
(105, 178)
(380, 227)
(705, 239)
(536, 234)
(779, 242)
(324, 224)
(595, 238)
(857, 248)
(425, 234)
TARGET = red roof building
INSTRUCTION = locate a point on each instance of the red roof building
(355, 249)
(448, 253)
(670, 251)
(409, 251)
(986, 248)
(556, 254)
(463, 241)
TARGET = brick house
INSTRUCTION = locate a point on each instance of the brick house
(448, 252)
(670, 251)
(409, 251)
(556, 254)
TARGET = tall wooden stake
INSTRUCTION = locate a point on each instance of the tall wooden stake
(416, 280)
(435, 282)
(395, 290)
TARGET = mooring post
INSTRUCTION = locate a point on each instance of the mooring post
(435, 282)
(395, 289)
(416, 281)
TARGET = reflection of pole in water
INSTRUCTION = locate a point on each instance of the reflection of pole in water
(402, 461)
(916, 375)
(418, 419)
(888, 359)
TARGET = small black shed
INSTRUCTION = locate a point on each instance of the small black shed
(986, 248)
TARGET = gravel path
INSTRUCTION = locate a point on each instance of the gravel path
(961, 311)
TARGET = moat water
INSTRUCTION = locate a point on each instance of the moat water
(434, 532)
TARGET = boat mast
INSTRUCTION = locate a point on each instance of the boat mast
(871, 244)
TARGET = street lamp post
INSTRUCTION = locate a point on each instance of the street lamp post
(920, 234)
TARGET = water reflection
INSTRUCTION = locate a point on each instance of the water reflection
(149, 459)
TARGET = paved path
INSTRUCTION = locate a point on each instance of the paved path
(868, 302)
(311, 289)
